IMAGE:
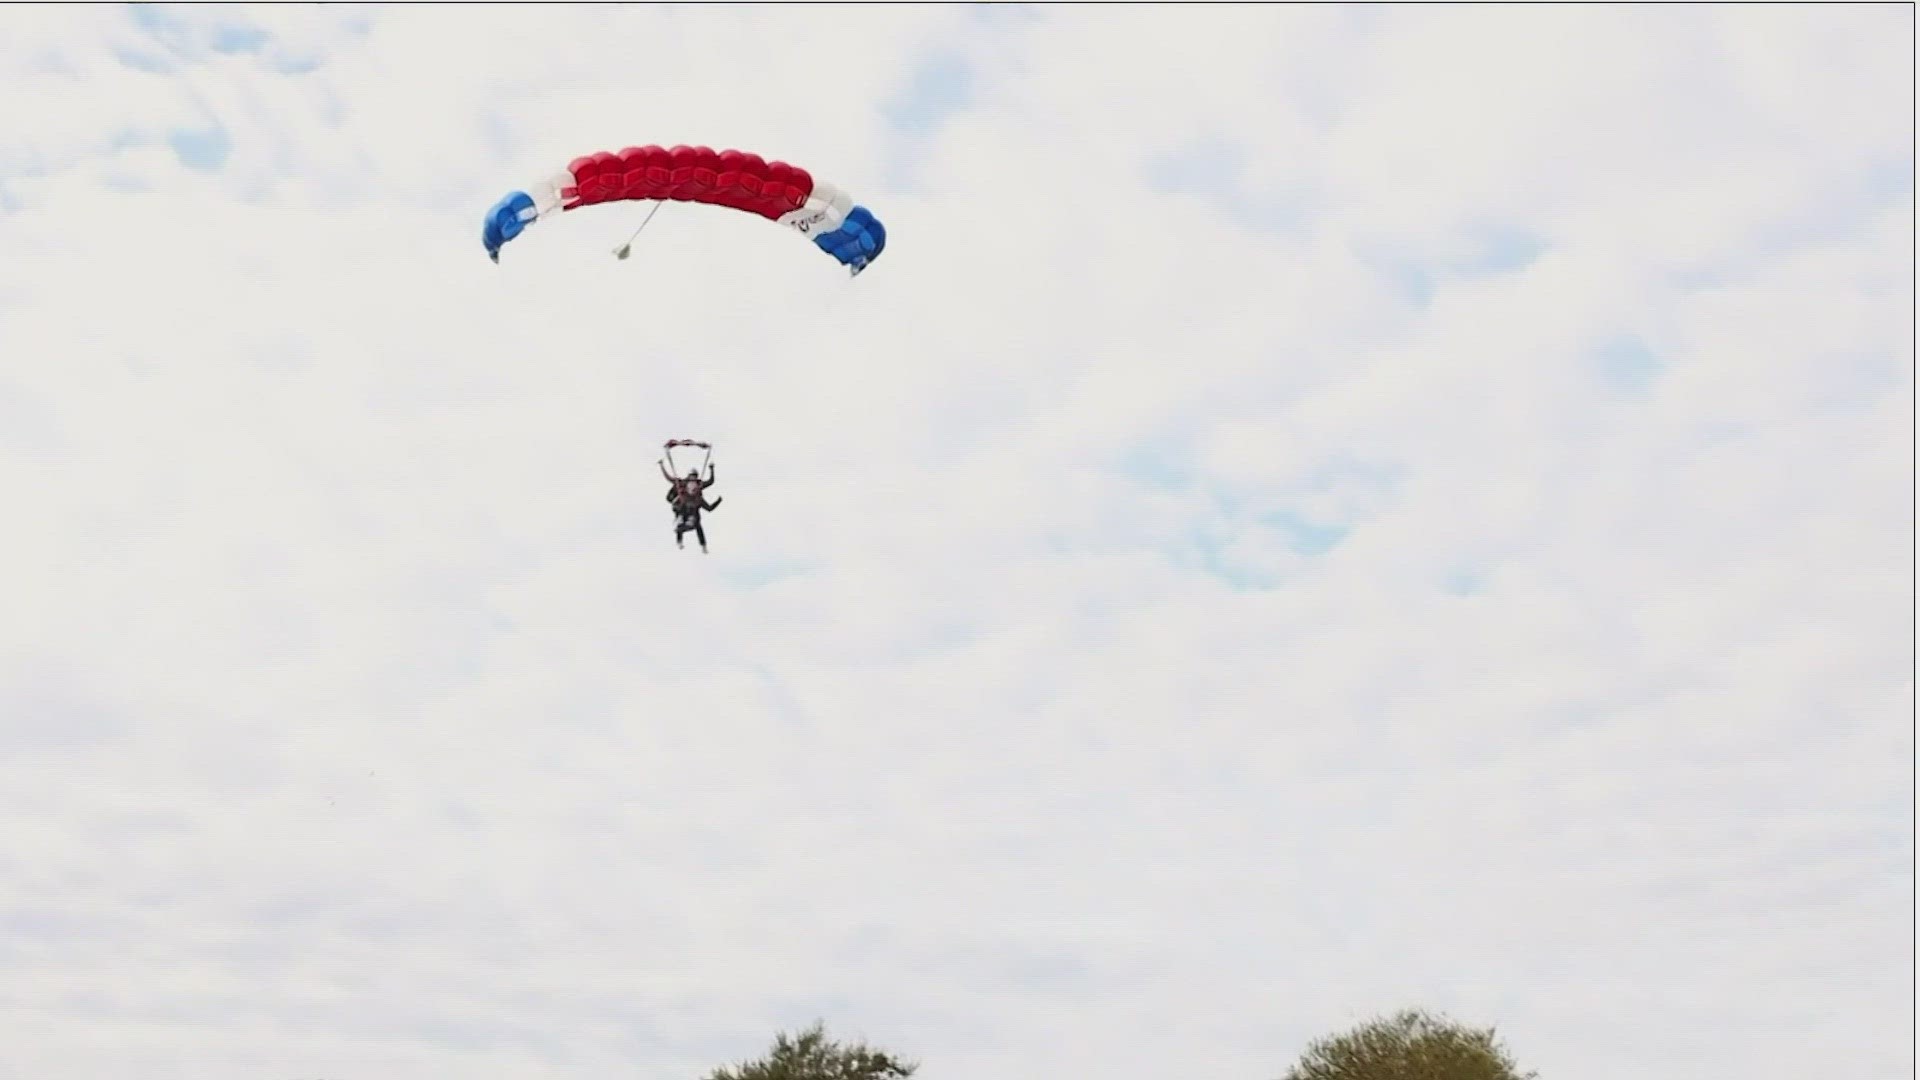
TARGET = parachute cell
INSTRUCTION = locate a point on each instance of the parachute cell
(733, 179)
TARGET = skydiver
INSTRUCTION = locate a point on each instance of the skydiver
(688, 497)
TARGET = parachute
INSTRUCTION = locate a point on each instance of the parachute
(733, 179)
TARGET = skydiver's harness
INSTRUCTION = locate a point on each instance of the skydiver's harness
(686, 498)
(686, 507)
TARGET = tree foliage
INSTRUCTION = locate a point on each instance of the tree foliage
(810, 1055)
(1410, 1045)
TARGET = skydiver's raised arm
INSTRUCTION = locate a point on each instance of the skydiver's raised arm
(709, 472)
(663, 471)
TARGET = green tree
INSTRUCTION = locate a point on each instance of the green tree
(1410, 1045)
(810, 1055)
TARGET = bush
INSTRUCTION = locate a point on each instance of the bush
(1411, 1045)
(810, 1055)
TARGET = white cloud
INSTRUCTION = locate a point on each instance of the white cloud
(1317, 510)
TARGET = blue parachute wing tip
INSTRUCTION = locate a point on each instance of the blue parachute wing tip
(507, 219)
(857, 242)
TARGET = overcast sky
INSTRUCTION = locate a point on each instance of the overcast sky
(1318, 510)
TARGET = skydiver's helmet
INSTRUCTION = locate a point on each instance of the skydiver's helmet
(693, 476)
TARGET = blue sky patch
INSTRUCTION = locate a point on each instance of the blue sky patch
(294, 63)
(1210, 166)
(153, 18)
(1160, 463)
(1503, 249)
(1213, 169)
(1408, 279)
(1627, 363)
(1465, 581)
(236, 38)
(203, 150)
(1308, 538)
(1415, 275)
(143, 60)
(165, 26)
(1206, 552)
(940, 86)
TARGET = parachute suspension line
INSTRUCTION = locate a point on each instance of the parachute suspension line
(626, 249)
(704, 461)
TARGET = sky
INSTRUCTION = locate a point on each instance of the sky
(1318, 510)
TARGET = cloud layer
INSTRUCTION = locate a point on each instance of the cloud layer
(1317, 510)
